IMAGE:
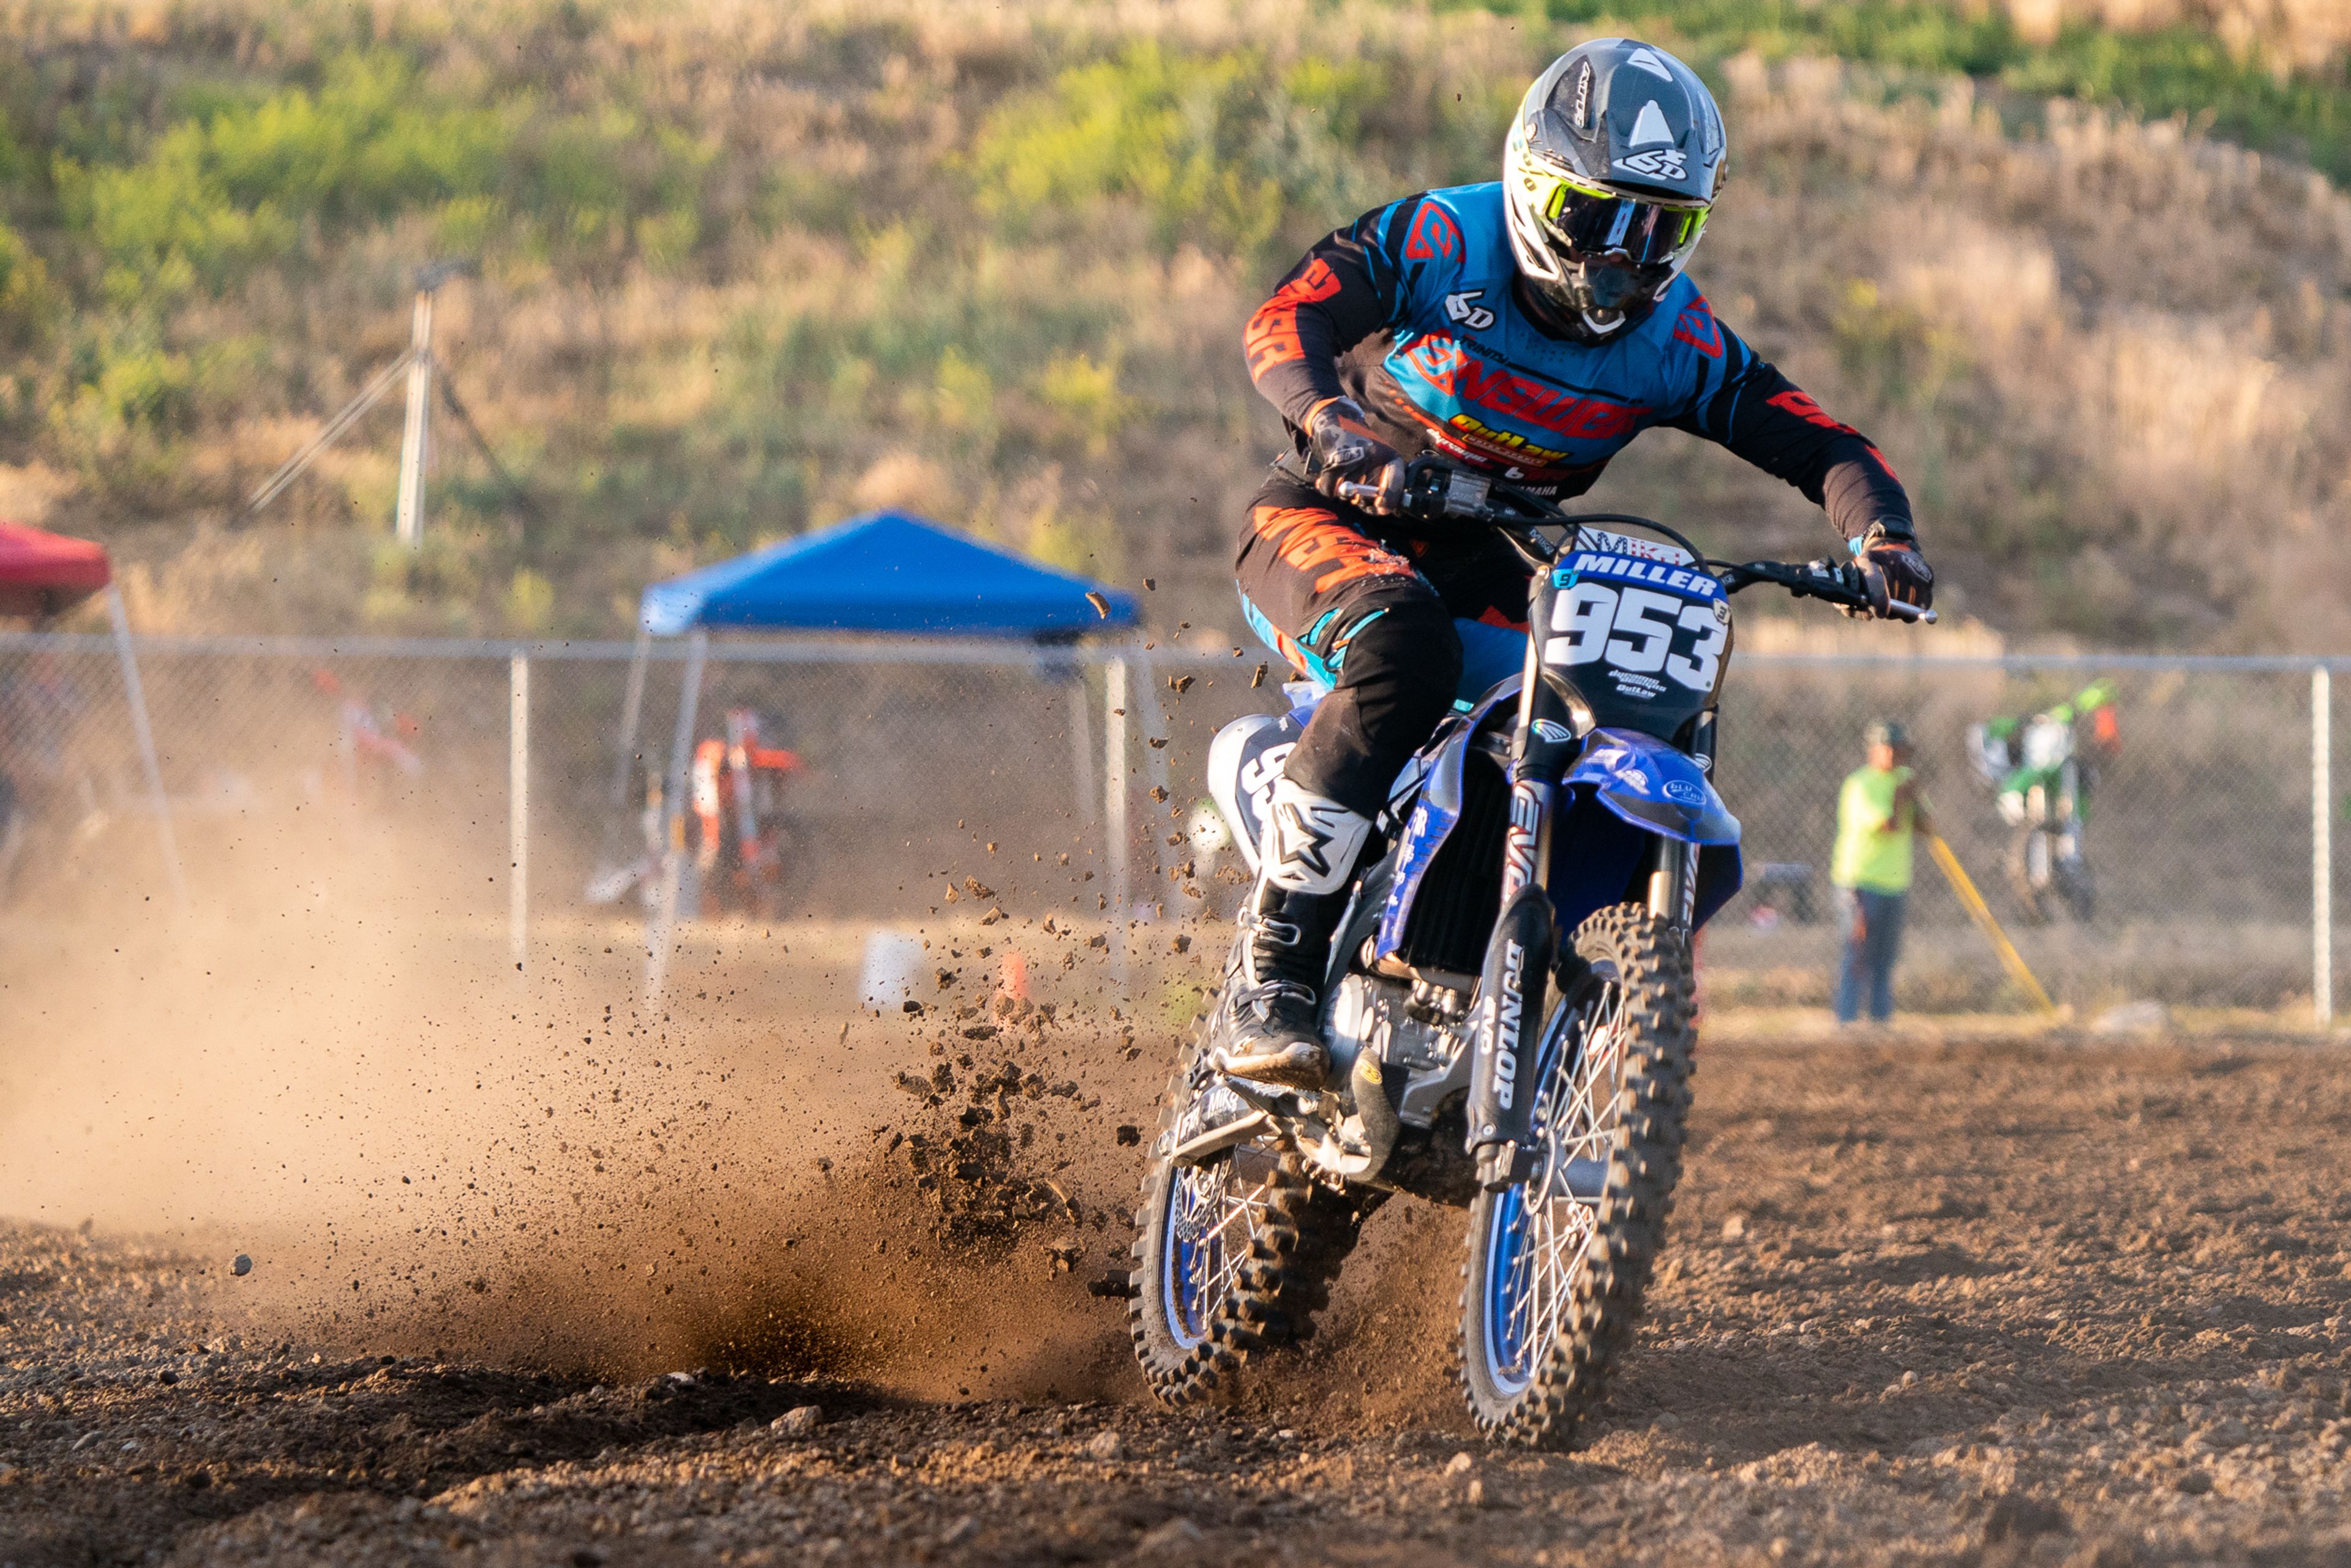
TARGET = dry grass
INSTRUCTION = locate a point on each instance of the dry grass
(2110, 358)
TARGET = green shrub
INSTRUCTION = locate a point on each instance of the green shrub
(1086, 397)
(2187, 69)
(167, 218)
(1222, 147)
(530, 602)
(28, 304)
(233, 185)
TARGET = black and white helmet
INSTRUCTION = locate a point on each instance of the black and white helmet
(1609, 173)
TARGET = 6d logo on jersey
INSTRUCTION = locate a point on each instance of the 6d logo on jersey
(1463, 306)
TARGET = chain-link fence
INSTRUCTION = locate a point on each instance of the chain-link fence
(493, 783)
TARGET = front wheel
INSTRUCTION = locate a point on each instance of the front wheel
(1558, 1264)
(1232, 1255)
(2032, 870)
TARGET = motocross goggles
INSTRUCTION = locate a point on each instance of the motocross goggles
(1584, 222)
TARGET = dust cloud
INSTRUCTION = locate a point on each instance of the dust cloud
(330, 1065)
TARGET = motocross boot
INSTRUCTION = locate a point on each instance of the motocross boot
(1273, 1006)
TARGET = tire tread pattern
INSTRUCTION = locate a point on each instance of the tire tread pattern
(1306, 1234)
(1653, 1104)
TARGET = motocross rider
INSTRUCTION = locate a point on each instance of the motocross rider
(1526, 329)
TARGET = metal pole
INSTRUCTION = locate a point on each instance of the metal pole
(632, 708)
(292, 469)
(517, 806)
(144, 733)
(1081, 744)
(1154, 718)
(409, 521)
(681, 752)
(1114, 817)
(2321, 846)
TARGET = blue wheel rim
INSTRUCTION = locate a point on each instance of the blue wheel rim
(1209, 1218)
(1538, 1230)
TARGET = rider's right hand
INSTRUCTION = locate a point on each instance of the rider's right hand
(1345, 450)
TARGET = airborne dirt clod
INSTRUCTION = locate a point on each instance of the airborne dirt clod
(1982, 1303)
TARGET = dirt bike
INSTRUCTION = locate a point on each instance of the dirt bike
(749, 856)
(1510, 1002)
(2042, 783)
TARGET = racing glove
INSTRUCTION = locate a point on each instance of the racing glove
(1342, 448)
(1893, 568)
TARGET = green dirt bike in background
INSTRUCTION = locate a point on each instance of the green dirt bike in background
(2041, 769)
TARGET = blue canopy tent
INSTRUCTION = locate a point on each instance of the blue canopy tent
(883, 573)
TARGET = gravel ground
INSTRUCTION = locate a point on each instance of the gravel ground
(1937, 1304)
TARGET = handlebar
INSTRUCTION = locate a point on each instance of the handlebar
(1434, 490)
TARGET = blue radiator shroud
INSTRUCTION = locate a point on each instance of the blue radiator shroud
(1624, 788)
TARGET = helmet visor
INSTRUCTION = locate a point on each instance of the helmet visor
(1584, 222)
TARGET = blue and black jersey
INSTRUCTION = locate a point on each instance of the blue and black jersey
(1411, 310)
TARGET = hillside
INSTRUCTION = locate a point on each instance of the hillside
(748, 269)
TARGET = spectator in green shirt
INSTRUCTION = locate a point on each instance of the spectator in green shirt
(1879, 814)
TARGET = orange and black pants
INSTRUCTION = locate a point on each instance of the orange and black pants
(1369, 614)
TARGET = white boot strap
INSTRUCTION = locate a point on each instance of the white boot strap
(1310, 840)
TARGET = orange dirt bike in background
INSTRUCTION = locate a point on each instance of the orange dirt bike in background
(749, 856)
(1510, 1005)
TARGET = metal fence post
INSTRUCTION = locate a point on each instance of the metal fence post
(1081, 745)
(408, 519)
(2321, 846)
(633, 707)
(673, 830)
(1114, 816)
(517, 806)
(141, 731)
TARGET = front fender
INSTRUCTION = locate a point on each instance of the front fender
(1648, 784)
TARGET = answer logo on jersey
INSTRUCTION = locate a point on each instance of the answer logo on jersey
(1434, 234)
(1658, 163)
(1463, 306)
(1696, 326)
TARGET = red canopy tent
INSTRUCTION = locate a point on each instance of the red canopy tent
(43, 574)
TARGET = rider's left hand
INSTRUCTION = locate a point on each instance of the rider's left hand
(1893, 569)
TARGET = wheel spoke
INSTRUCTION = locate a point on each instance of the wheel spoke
(1211, 1220)
(1575, 1121)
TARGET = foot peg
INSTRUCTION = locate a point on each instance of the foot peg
(1283, 1064)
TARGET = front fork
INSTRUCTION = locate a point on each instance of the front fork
(1673, 875)
(1507, 1028)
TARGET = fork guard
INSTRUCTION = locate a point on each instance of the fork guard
(1506, 1036)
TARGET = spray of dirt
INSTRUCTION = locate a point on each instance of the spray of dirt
(420, 1149)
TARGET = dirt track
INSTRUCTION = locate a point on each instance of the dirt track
(1929, 1303)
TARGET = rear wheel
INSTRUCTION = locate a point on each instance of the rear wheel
(1558, 1264)
(2080, 889)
